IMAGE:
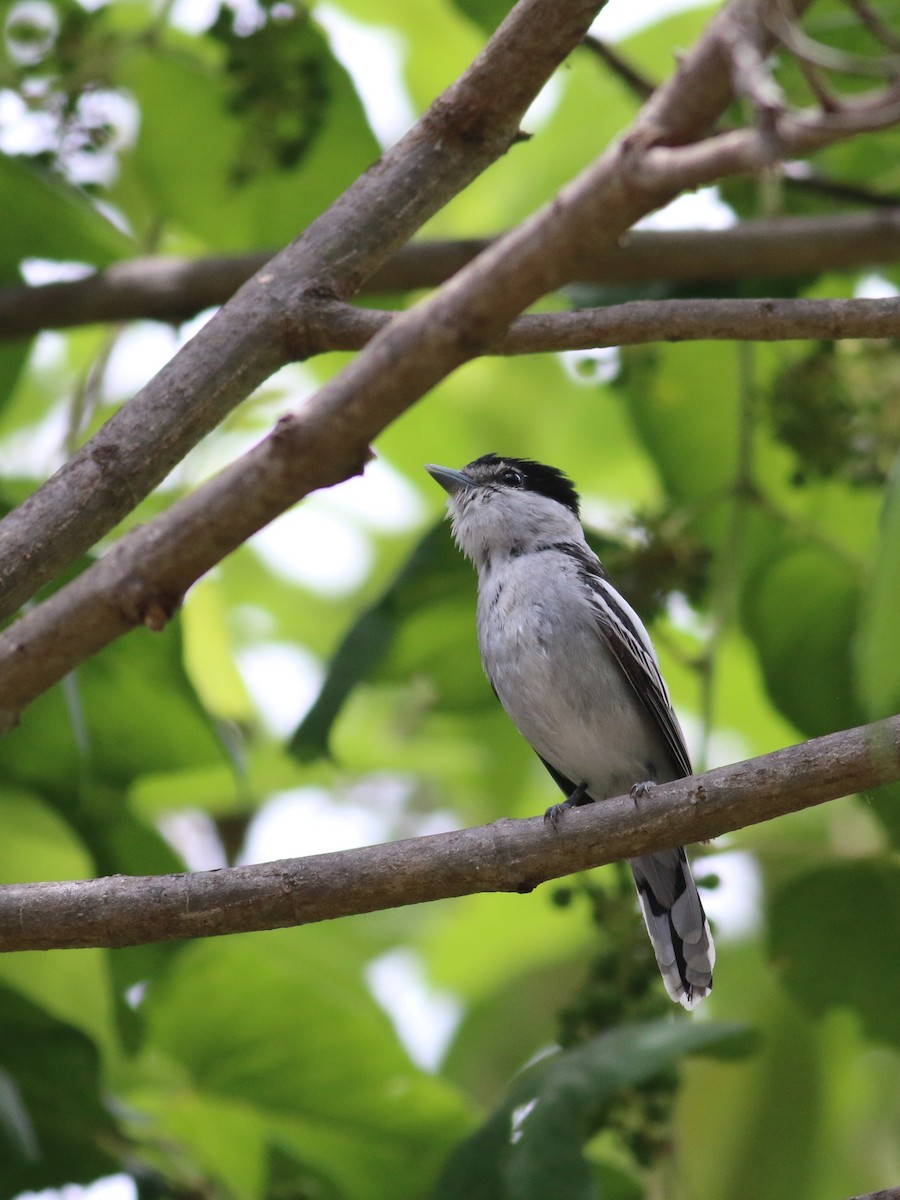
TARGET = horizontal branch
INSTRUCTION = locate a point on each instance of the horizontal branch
(173, 289)
(506, 856)
(642, 321)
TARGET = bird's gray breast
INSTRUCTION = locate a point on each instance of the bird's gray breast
(544, 653)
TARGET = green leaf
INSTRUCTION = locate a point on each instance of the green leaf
(878, 638)
(54, 1126)
(224, 1141)
(487, 14)
(44, 217)
(283, 1023)
(800, 609)
(73, 985)
(126, 712)
(531, 1145)
(834, 936)
(504, 1027)
(231, 161)
(209, 652)
(665, 387)
(423, 623)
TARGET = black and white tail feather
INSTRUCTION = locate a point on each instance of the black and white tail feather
(573, 666)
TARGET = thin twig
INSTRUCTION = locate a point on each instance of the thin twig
(507, 856)
(805, 178)
(638, 84)
(818, 54)
(642, 321)
(879, 29)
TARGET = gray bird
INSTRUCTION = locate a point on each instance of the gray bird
(574, 668)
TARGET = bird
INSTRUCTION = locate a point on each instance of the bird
(574, 668)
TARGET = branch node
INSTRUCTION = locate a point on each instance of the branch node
(146, 604)
(285, 427)
(156, 617)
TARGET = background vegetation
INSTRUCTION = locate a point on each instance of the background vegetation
(743, 495)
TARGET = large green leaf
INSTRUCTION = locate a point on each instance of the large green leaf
(878, 639)
(683, 401)
(800, 609)
(44, 217)
(424, 622)
(54, 1125)
(834, 937)
(186, 1135)
(283, 1024)
(73, 985)
(222, 149)
(487, 14)
(126, 712)
(531, 1145)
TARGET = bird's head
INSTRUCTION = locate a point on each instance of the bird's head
(504, 507)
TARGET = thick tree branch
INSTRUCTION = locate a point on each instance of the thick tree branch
(265, 324)
(166, 289)
(507, 856)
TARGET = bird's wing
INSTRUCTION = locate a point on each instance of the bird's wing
(626, 637)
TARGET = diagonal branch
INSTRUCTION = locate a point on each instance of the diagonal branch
(171, 289)
(507, 856)
(268, 322)
(271, 319)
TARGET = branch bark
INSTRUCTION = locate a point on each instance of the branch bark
(507, 856)
(640, 321)
(168, 289)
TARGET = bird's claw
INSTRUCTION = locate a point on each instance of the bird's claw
(578, 797)
(553, 813)
(640, 790)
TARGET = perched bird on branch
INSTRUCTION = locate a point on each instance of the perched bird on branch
(574, 668)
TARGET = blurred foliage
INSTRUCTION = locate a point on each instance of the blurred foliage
(744, 498)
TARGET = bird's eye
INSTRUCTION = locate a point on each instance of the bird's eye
(512, 477)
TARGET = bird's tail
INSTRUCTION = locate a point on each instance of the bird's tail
(677, 924)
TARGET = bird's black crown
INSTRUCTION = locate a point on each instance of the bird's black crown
(534, 476)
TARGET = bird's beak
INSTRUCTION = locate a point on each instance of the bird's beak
(451, 481)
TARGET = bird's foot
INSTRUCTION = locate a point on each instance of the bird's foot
(640, 790)
(578, 797)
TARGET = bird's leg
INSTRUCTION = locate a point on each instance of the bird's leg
(578, 797)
